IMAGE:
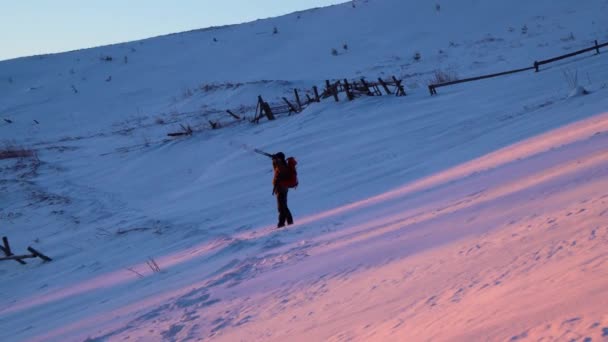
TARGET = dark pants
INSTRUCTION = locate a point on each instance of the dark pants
(284, 213)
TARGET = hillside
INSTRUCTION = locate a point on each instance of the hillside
(477, 214)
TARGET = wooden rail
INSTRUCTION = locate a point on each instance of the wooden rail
(536, 65)
(596, 47)
(433, 91)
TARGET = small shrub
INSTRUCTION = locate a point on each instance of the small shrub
(159, 121)
(186, 130)
(441, 76)
(568, 38)
(187, 93)
(571, 78)
(334, 52)
(146, 141)
(126, 59)
(134, 271)
(214, 124)
(345, 47)
(524, 29)
(275, 30)
(10, 80)
(417, 56)
(153, 265)
(10, 151)
(437, 7)
(214, 40)
(106, 58)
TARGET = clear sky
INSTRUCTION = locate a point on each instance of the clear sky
(30, 27)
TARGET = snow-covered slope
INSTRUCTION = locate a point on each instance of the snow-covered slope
(478, 214)
(382, 37)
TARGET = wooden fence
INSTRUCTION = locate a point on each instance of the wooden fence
(352, 89)
(9, 255)
(356, 88)
(536, 67)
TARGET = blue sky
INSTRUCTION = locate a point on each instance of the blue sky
(29, 27)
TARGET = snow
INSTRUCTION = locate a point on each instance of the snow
(476, 214)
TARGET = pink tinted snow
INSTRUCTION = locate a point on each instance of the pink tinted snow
(515, 240)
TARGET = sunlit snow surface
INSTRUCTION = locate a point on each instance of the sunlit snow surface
(477, 214)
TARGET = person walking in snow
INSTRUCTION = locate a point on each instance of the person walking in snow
(283, 179)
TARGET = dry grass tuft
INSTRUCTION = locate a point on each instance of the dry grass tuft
(11, 152)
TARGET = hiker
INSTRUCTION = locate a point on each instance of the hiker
(285, 177)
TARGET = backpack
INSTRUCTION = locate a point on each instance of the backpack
(292, 179)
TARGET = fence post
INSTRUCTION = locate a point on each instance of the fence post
(400, 89)
(268, 111)
(7, 247)
(388, 92)
(316, 91)
(7, 251)
(336, 90)
(536, 66)
(291, 107)
(349, 94)
(332, 90)
(597, 47)
(298, 99)
(432, 90)
(38, 254)
(265, 108)
(258, 110)
(369, 92)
